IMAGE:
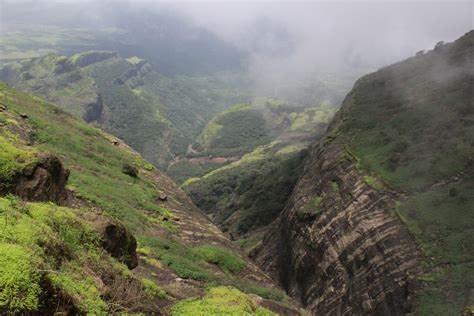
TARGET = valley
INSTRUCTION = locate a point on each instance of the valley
(153, 164)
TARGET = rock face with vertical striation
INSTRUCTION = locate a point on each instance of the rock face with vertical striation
(346, 255)
(380, 222)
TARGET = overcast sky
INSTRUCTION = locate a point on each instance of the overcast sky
(291, 38)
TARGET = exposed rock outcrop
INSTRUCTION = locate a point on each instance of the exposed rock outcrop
(116, 239)
(45, 181)
(348, 255)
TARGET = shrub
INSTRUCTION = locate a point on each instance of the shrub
(152, 290)
(130, 170)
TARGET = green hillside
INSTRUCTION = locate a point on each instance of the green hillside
(411, 127)
(67, 260)
(115, 93)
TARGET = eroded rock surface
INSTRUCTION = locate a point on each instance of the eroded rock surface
(349, 255)
(116, 239)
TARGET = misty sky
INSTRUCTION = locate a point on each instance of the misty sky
(296, 39)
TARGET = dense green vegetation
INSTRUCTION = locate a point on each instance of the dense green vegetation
(234, 132)
(257, 187)
(220, 257)
(242, 127)
(411, 126)
(184, 169)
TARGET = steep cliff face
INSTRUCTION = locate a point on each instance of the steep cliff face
(381, 222)
(339, 248)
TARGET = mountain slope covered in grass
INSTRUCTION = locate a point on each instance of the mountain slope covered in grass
(96, 228)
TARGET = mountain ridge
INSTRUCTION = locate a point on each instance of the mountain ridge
(365, 197)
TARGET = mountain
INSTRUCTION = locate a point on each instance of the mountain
(89, 226)
(381, 220)
(115, 93)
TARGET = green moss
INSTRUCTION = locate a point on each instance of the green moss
(220, 301)
(220, 257)
(19, 279)
(47, 242)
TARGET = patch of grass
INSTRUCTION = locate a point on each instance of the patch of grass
(312, 205)
(220, 301)
(220, 257)
(175, 256)
(374, 183)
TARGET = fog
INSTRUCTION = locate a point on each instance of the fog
(285, 40)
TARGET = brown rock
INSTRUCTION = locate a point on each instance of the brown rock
(116, 239)
(44, 181)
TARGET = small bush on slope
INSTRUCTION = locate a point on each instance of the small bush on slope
(220, 301)
(220, 257)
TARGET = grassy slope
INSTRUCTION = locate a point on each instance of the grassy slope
(412, 126)
(96, 175)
